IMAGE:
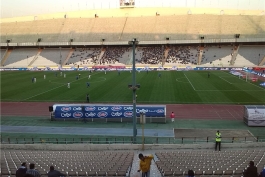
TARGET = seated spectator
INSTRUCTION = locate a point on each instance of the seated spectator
(28, 175)
(251, 171)
(112, 55)
(262, 173)
(190, 173)
(32, 171)
(21, 171)
(182, 54)
(152, 55)
(54, 173)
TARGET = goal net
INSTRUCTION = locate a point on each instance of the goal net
(248, 77)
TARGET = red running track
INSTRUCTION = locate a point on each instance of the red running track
(182, 111)
(201, 111)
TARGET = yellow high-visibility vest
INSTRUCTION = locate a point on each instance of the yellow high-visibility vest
(218, 137)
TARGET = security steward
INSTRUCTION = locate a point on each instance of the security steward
(218, 140)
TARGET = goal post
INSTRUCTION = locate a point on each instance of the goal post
(248, 76)
(243, 75)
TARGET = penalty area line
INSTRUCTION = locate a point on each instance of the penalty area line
(181, 81)
(225, 80)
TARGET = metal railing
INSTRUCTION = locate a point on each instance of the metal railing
(129, 140)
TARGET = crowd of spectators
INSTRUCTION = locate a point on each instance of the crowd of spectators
(84, 56)
(183, 55)
(151, 55)
(113, 54)
(145, 162)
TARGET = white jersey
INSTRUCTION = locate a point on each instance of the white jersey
(44, 76)
(35, 79)
(64, 75)
(89, 76)
(68, 85)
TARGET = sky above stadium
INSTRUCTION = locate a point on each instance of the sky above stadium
(15, 8)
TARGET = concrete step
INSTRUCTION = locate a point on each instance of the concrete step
(154, 172)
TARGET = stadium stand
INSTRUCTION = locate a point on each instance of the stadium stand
(138, 55)
(250, 55)
(126, 57)
(73, 163)
(47, 30)
(55, 55)
(182, 55)
(20, 54)
(152, 55)
(112, 55)
(110, 29)
(233, 162)
(123, 163)
(40, 61)
(79, 33)
(84, 56)
(148, 28)
(217, 56)
(173, 55)
(3, 51)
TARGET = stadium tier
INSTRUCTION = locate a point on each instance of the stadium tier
(161, 55)
(20, 57)
(123, 163)
(177, 163)
(147, 28)
(77, 96)
(72, 163)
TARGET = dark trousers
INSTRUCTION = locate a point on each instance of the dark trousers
(218, 144)
(146, 174)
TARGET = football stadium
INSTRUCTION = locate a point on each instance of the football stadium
(133, 88)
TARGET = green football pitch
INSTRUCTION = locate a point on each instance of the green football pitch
(180, 87)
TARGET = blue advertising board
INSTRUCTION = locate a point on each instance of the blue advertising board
(106, 111)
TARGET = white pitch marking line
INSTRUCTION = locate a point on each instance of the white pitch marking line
(182, 81)
(102, 79)
(43, 92)
(229, 90)
(53, 89)
(230, 113)
(190, 82)
(225, 80)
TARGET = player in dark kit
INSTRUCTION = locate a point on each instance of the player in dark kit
(87, 98)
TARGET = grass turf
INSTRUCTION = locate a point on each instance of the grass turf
(173, 87)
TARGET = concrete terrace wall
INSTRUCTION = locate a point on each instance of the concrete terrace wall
(133, 12)
(101, 147)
